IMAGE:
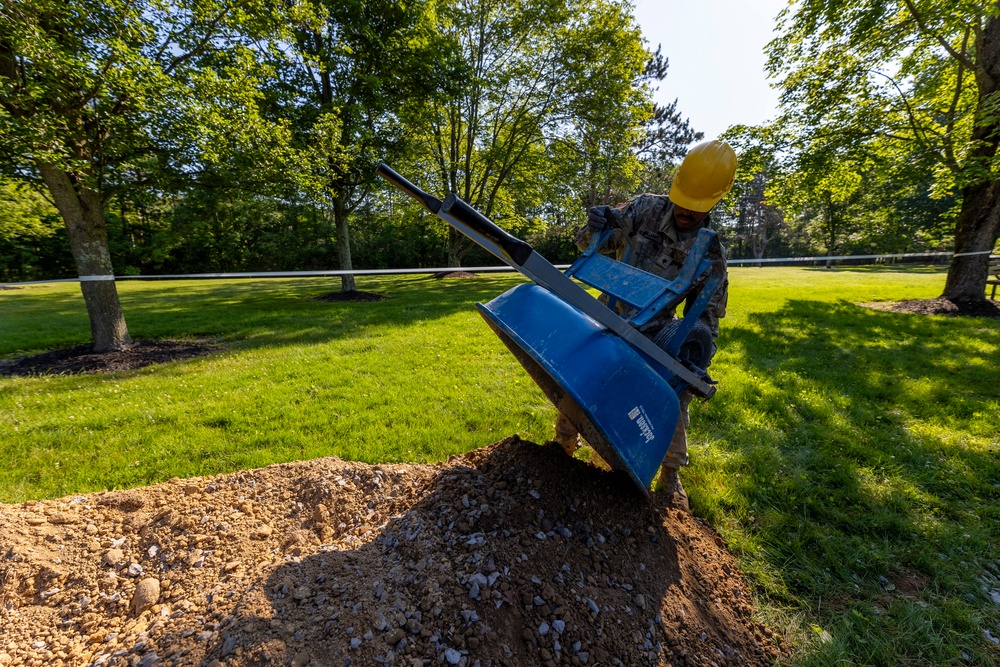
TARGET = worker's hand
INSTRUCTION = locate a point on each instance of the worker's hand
(600, 218)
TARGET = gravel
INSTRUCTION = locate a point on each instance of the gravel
(329, 562)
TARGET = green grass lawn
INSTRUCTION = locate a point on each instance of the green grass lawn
(851, 457)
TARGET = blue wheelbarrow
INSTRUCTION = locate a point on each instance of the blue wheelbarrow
(618, 387)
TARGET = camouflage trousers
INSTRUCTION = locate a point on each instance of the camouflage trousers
(677, 455)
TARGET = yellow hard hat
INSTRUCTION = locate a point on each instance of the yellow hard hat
(705, 176)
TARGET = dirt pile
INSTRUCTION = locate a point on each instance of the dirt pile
(511, 555)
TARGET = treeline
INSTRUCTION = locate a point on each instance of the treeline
(887, 137)
(224, 230)
(222, 136)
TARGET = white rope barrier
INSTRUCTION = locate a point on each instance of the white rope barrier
(470, 269)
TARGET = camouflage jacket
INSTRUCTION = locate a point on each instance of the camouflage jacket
(650, 241)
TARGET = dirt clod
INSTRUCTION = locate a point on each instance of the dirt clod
(147, 593)
(403, 565)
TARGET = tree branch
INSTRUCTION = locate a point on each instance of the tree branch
(960, 57)
(184, 57)
(919, 132)
(949, 145)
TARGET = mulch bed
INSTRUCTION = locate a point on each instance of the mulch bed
(940, 306)
(353, 295)
(81, 359)
(456, 274)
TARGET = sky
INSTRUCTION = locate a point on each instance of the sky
(716, 54)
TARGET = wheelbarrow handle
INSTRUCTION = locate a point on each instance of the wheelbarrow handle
(467, 219)
(430, 202)
(516, 249)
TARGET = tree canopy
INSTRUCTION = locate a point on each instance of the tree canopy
(914, 82)
(100, 95)
(216, 135)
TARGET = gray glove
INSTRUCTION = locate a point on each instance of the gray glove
(600, 218)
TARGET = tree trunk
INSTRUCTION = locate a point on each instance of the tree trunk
(347, 283)
(83, 214)
(455, 239)
(978, 224)
(975, 231)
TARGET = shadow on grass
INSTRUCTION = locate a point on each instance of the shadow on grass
(260, 313)
(854, 447)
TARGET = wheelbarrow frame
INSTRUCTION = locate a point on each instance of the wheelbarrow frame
(659, 369)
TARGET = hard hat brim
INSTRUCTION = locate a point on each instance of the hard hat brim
(698, 205)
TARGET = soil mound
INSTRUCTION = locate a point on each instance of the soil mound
(513, 554)
(940, 307)
(81, 359)
(349, 296)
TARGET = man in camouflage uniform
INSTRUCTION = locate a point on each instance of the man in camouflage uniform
(656, 234)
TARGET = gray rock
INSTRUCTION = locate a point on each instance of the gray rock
(452, 656)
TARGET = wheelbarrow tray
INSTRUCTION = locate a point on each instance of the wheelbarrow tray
(625, 409)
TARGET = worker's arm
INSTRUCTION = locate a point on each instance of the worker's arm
(628, 218)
